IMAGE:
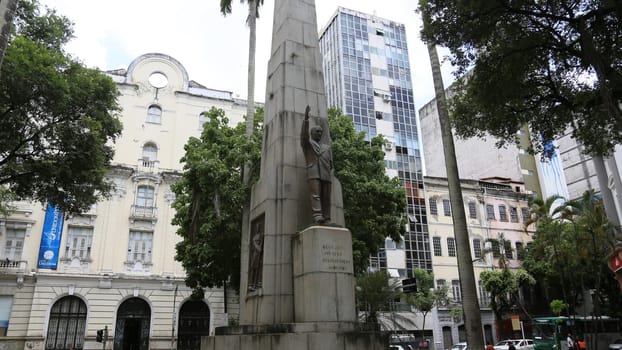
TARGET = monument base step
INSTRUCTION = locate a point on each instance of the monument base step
(297, 336)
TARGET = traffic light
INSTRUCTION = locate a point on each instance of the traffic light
(100, 336)
(409, 285)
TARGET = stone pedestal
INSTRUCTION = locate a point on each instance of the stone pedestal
(296, 336)
(323, 275)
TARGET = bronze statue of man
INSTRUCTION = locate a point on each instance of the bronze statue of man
(319, 159)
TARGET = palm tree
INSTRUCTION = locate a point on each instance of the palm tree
(251, 20)
(545, 214)
(470, 305)
(590, 218)
(7, 10)
(375, 291)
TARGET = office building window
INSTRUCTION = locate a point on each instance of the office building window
(446, 207)
(78, 242)
(433, 207)
(14, 242)
(472, 212)
(477, 248)
(440, 283)
(457, 292)
(139, 249)
(503, 215)
(436, 242)
(154, 114)
(525, 213)
(514, 214)
(451, 246)
(507, 248)
(490, 212)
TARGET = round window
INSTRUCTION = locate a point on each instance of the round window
(158, 80)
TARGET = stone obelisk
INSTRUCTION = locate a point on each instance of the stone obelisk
(280, 200)
(297, 281)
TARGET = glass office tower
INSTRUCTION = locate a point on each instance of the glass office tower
(367, 75)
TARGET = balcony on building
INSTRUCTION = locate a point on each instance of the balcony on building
(140, 212)
(8, 266)
(147, 165)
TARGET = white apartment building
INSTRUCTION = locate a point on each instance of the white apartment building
(113, 267)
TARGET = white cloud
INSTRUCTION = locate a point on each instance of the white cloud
(212, 48)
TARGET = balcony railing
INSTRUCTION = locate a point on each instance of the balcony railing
(147, 165)
(144, 212)
(13, 266)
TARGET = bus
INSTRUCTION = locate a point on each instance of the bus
(549, 333)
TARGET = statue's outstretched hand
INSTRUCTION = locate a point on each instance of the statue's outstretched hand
(307, 110)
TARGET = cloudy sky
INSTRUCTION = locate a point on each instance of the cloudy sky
(214, 49)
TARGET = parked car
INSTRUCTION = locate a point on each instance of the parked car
(519, 344)
(616, 345)
(396, 347)
(459, 346)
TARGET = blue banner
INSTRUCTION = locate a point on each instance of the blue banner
(50, 238)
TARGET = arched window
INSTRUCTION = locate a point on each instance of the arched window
(133, 324)
(67, 324)
(154, 114)
(150, 152)
(193, 324)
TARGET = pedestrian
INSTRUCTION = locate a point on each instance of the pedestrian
(581, 344)
(570, 342)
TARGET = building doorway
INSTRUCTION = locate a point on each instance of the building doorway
(194, 317)
(67, 324)
(132, 327)
(448, 340)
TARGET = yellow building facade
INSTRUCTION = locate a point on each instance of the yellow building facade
(496, 210)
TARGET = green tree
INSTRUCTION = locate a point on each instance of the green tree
(58, 119)
(209, 200)
(374, 204)
(552, 64)
(503, 286)
(253, 14)
(426, 296)
(375, 291)
(210, 196)
(569, 249)
(557, 306)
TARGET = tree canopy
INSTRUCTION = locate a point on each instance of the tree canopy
(374, 204)
(210, 196)
(552, 64)
(209, 200)
(569, 250)
(58, 119)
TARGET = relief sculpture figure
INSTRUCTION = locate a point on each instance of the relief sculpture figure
(319, 161)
